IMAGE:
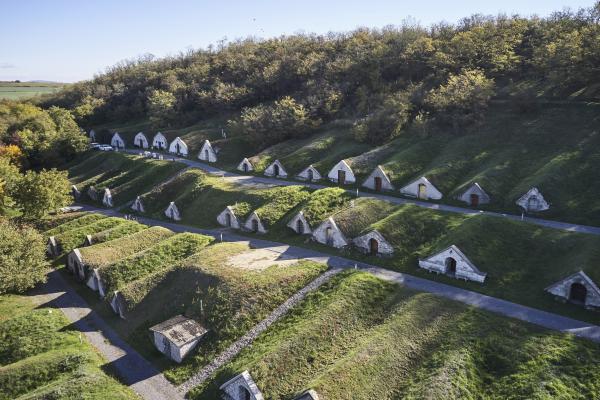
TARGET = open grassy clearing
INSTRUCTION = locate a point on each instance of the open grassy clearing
(25, 90)
(358, 337)
(126, 176)
(43, 357)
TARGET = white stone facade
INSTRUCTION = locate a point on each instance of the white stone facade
(178, 147)
(453, 262)
(245, 166)
(310, 174)
(52, 247)
(117, 141)
(254, 224)
(276, 170)
(533, 201)
(299, 224)
(227, 218)
(177, 337)
(421, 189)
(75, 193)
(242, 387)
(75, 264)
(378, 180)
(329, 234)
(207, 153)
(172, 212)
(373, 243)
(474, 195)
(577, 288)
(341, 173)
(159, 141)
(107, 199)
(137, 205)
(92, 135)
(140, 140)
(92, 193)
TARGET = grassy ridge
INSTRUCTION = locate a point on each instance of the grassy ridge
(74, 238)
(125, 175)
(162, 255)
(362, 338)
(76, 223)
(42, 357)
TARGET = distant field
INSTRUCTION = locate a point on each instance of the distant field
(23, 90)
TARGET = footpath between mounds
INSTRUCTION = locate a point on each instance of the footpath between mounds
(506, 308)
(251, 179)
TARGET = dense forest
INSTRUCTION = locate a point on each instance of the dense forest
(384, 80)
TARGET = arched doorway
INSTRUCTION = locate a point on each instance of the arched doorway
(378, 183)
(299, 226)
(228, 219)
(206, 154)
(341, 177)
(373, 247)
(474, 199)
(533, 203)
(177, 148)
(245, 394)
(172, 212)
(141, 143)
(329, 236)
(422, 193)
(578, 293)
(276, 169)
(310, 174)
(245, 167)
(255, 225)
(450, 266)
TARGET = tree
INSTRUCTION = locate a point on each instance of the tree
(387, 122)
(38, 193)
(462, 99)
(9, 176)
(161, 105)
(22, 257)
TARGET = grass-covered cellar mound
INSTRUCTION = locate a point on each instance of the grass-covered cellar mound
(74, 238)
(359, 337)
(76, 223)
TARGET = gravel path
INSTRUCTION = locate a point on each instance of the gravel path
(253, 333)
(130, 366)
(253, 180)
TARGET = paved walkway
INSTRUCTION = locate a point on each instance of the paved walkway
(252, 180)
(130, 366)
(503, 307)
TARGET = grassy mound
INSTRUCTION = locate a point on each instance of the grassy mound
(42, 357)
(126, 176)
(162, 255)
(323, 203)
(227, 300)
(74, 238)
(124, 229)
(360, 214)
(362, 338)
(107, 253)
(75, 223)
(52, 221)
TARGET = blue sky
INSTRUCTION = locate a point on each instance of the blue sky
(71, 40)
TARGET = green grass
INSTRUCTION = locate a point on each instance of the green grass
(52, 221)
(126, 228)
(43, 357)
(126, 176)
(162, 255)
(358, 337)
(74, 238)
(76, 223)
(107, 253)
(25, 90)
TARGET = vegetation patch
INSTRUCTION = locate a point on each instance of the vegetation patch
(76, 223)
(279, 201)
(359, 337)
(162, 255)
(74, 238)
(359, 214)
(126, 228)
(43, 357)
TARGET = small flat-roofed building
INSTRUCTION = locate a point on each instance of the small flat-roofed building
(242, 387)
(177, 336)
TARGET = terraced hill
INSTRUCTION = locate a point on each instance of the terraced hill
(361, 338)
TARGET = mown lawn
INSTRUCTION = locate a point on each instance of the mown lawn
(43, 357)
(358, 337)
